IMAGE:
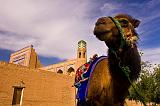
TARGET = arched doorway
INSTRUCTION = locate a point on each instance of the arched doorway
(60, 71)
(70, 71)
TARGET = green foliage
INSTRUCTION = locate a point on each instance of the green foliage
(148, 85)
(157, 83)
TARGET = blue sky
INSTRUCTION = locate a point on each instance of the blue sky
(55, 26)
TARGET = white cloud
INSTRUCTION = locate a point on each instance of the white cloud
(152, 55)
(53, 27)
(109, 7)
(150, 18)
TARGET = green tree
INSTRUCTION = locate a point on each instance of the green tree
(148, 84)
(156, 98)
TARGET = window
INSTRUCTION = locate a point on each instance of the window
(60, 71)
(70, 70)
(84, 55)
(17, 96)
(79, 54)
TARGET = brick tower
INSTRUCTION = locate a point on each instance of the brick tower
(81, 53)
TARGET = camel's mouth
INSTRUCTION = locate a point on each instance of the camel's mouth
(101, 33)
(104, 36)
(103, 28)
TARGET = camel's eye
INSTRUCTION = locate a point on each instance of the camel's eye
(124, 23)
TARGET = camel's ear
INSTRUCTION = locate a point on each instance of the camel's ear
(136, 23)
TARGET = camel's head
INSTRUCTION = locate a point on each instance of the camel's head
(113, 30)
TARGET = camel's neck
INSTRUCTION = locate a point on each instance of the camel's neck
(128, 57)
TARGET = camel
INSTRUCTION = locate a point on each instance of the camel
(108, 84)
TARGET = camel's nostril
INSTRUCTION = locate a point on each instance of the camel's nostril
(101, 21)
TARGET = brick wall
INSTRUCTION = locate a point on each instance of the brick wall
(42, 88)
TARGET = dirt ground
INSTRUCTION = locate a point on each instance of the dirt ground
(134, 103)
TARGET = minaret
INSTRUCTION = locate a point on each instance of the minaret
(81, 53)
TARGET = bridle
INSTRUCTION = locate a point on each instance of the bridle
(123, 40)
(124, 69)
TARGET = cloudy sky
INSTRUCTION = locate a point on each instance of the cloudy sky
(55, 26)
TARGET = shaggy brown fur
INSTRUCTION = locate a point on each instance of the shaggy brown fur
(108, 85)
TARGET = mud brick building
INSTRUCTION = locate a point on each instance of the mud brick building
(69, 67)
(20, 85)
(25, 82)
(26, 57)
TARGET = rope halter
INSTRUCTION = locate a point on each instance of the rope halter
(125, 69)
(124, 41)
